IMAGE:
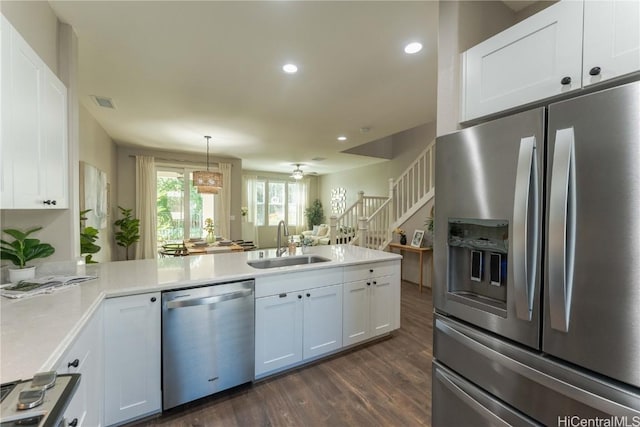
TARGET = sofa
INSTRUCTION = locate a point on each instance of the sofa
(318, 236)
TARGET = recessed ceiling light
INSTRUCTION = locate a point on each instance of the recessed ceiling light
(290, 68)
(412, 48)
(342, 138)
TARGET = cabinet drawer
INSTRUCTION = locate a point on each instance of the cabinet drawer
(290, 282)
(354, 273)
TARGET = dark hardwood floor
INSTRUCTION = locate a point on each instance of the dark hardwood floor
(386, 383)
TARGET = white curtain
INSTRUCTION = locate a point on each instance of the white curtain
(249, 231)
(223, 207)
(303, 202)
(146, 207)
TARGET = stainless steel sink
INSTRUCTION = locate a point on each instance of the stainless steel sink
(286, 261)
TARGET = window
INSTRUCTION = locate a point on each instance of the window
(181, 210)
(277, 200)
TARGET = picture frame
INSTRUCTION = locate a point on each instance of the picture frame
(416, 241)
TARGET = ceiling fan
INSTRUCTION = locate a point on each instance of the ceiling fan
(297, 172)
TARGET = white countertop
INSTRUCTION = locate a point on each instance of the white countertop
(35, 331)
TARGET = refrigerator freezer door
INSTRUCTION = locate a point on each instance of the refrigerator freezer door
(457, 402)
(534, 385)
(592, 272)
(489, 179)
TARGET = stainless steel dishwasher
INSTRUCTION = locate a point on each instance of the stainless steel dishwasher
(207, 340)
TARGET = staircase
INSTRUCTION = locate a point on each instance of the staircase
(370, 221)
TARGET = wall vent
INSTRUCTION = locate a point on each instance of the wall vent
(103, 101)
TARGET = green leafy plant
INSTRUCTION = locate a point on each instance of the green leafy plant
(129, 230)
(428, 222)
(22, 249)
(88, 235)
(314, 213)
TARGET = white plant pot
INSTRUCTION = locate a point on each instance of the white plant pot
(17, 274)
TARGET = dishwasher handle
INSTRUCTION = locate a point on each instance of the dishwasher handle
(209, 300)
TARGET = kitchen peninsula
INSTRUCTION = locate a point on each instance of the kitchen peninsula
(41, 332)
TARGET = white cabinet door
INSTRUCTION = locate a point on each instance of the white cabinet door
(132, 357)
(382, 305)
(525, 63)
(34, 128)
(278, 331)
(322, 320)
(355, 315)
(85, 357)
(611, 40)
(55, 153)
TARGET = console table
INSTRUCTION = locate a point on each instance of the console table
(420, 252)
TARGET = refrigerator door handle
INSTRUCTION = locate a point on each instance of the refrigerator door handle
(562, 208)
(525, 228)
(448, 381)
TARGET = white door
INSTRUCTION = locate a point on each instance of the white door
(525, 63)
(382, 305)
(322, 320)
(132, 357)
(278, 331)
(355, 314)
(611, 40)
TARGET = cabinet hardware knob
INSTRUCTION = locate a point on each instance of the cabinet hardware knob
(283, 295)
(594, 71)
(299, 296)
(75, 363)
(368, 283)
(308, 295)
(566, 80)
(153, 299)
(371, 270)
(375, 283)
(73, 422)
(49, 202)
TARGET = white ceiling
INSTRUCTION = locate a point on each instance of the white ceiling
(179, 70)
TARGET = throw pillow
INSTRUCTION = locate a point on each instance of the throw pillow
(323, 230)
(315, 230)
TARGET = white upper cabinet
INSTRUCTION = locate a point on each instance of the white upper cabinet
(34, 129)
(535, 59)
(611, 40)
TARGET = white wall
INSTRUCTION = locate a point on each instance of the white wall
(99, 150)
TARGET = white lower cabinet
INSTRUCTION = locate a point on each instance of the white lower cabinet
(297, 325)
(372, 304)
(84, 357)
(132, 364)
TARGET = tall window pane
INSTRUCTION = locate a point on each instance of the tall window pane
(293, 203)
(181, 210)
(170, 206)
(260, 199)
(276, 202)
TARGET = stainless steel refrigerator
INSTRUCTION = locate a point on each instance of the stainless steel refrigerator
(537, 267)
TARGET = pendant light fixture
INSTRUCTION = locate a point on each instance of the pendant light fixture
(205, 181)
(297, 173)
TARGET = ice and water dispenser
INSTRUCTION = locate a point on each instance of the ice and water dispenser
(478, 262)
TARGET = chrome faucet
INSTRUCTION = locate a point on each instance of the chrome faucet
(280, 249)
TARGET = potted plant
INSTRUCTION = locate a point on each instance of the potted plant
(88, 235)
(129, 230)
(314, 213)
(209, 228)
(21, 251)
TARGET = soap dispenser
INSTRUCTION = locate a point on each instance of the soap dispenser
(292, 246)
